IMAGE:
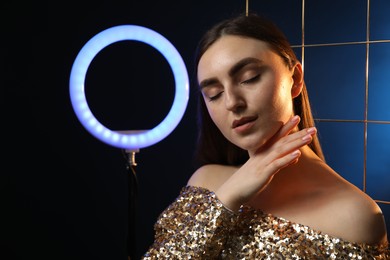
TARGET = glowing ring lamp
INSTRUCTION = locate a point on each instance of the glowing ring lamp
(140, 139)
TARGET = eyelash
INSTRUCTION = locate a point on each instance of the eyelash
(215, 97)
(251, 80)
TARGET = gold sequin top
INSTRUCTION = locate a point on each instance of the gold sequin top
(197, 226)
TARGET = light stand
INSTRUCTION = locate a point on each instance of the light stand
(133, 202)
(130, 141)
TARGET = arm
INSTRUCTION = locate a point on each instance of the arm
(195, 225)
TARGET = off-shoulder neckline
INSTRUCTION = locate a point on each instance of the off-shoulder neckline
(248, 208)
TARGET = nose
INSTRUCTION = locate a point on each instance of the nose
(234, 100)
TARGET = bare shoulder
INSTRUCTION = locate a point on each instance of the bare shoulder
(359, 218)
(211, 176)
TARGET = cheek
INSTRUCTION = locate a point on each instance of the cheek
(213, 114)
(283, 106)
(216, 116)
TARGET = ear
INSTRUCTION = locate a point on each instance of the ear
(297, 80)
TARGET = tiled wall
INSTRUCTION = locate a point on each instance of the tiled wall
(345, 49)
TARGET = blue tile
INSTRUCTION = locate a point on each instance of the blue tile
(335, 78)
(379, 82)
(286, 14)
(343, 147)
(298, 53)
(378, 161)
(379, 19)
(335, 21)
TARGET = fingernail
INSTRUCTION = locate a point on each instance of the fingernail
(306, 137)
(311, 130)
(295, 153)
(295, 119)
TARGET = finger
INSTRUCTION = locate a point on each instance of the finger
(304, 134)
(290, 144)
(282, 162)
(286, 128)
(289, 126)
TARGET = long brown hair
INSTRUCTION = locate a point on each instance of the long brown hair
(212, 146)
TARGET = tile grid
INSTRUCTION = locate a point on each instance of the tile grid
(366, 94)
(365, 121)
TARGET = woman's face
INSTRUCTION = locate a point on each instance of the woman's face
(248, 89)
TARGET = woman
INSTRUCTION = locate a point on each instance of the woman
(263, 189)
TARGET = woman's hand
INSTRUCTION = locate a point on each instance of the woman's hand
(282, 150)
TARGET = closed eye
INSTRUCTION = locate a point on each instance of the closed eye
(215, 97)
(251, 80)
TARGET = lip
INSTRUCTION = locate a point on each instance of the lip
(240, 123)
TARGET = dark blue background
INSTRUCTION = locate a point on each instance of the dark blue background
(64, 193)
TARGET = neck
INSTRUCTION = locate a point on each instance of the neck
(290, 181)
(303, 167)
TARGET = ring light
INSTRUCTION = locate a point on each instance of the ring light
(135, 139)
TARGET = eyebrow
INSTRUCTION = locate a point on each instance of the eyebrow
(233, 70)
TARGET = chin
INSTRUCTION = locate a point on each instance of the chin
(251, 145)
(255, 141)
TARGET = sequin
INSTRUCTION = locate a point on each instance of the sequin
(197, 226)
